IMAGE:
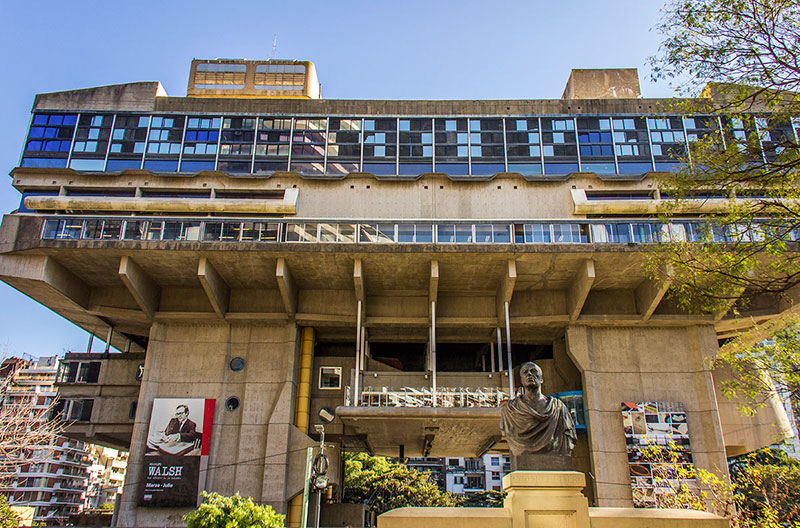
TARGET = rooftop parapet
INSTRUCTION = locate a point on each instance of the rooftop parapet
(605, 83)
(281, 79)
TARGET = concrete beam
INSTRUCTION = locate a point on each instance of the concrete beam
(505, 290)
(215, 286)
(649, 294)
(433, 285)
(17, 270)
(287, 286)
(581, 285)
(789, 299)
(143, 288)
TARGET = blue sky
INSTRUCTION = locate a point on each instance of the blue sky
(362, 49)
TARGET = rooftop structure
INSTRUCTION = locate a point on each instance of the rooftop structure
(384, 266)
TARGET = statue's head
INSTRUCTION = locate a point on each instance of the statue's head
(531, 375)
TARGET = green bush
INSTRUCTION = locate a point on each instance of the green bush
(218, 511)
(8, 519)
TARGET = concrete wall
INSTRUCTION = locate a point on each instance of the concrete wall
(744, 433)
(644, 364)
(250, 446)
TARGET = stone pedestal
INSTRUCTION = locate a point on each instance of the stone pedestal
(545, 499)
(537, 462)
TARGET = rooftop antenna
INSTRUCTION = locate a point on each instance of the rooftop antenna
(274, 46)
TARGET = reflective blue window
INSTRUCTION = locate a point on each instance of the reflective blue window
(196, 166)
(44, 162)
(161, 165)
(122, 164)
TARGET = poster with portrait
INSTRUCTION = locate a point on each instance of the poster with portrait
(662, 426)
(176, 454)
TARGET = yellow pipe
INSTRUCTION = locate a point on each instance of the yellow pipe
(295, 512)
(301, 412)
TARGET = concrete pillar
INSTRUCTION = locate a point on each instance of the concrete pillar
(634, 364)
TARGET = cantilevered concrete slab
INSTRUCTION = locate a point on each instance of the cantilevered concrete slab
(423, 431)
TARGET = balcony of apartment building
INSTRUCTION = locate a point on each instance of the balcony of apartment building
(474, 484)
(98, 394)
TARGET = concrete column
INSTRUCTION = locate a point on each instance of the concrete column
(634, 364)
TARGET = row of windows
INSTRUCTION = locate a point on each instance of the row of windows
(598, 232)
(381, 146)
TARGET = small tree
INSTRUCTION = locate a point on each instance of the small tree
(218, 511)
(384, 484)
(8, 519)
(26, 431)
(684, 486)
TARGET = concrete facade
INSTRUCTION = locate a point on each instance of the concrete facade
(420, 280)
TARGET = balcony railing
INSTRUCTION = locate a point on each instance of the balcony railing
(643, 231)
(424, 397)
(455, 397)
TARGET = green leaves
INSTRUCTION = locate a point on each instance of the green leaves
(385, 485)
(218, 511)
(8, 519)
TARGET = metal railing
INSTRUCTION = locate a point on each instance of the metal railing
(454, 397)
(424, 397)
(643, 231)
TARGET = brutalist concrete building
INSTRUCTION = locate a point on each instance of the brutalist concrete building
(268, 261)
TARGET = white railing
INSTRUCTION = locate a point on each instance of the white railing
(424, 397)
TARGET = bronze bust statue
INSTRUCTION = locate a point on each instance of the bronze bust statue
(533, 423)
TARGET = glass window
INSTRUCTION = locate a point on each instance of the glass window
(380, 146)
(452, 146)
(308, 145)
(237, 143)
(559, 147)
(128, 137)
(486, 146)
(344, 145)
(50, 135)
(776, 136)
(416, 146)
(668, 140)
(272, 145)
(200, 143)
(164, 143)
(330, 377)
(91, 141)
(596, 145)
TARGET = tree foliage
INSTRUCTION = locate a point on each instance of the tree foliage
(8, 519)
(767, 370)
(384, 484)
(218, 511)
(684, 486)
(763, 492)
(767, 485)
(745, 53)
(484, 499)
